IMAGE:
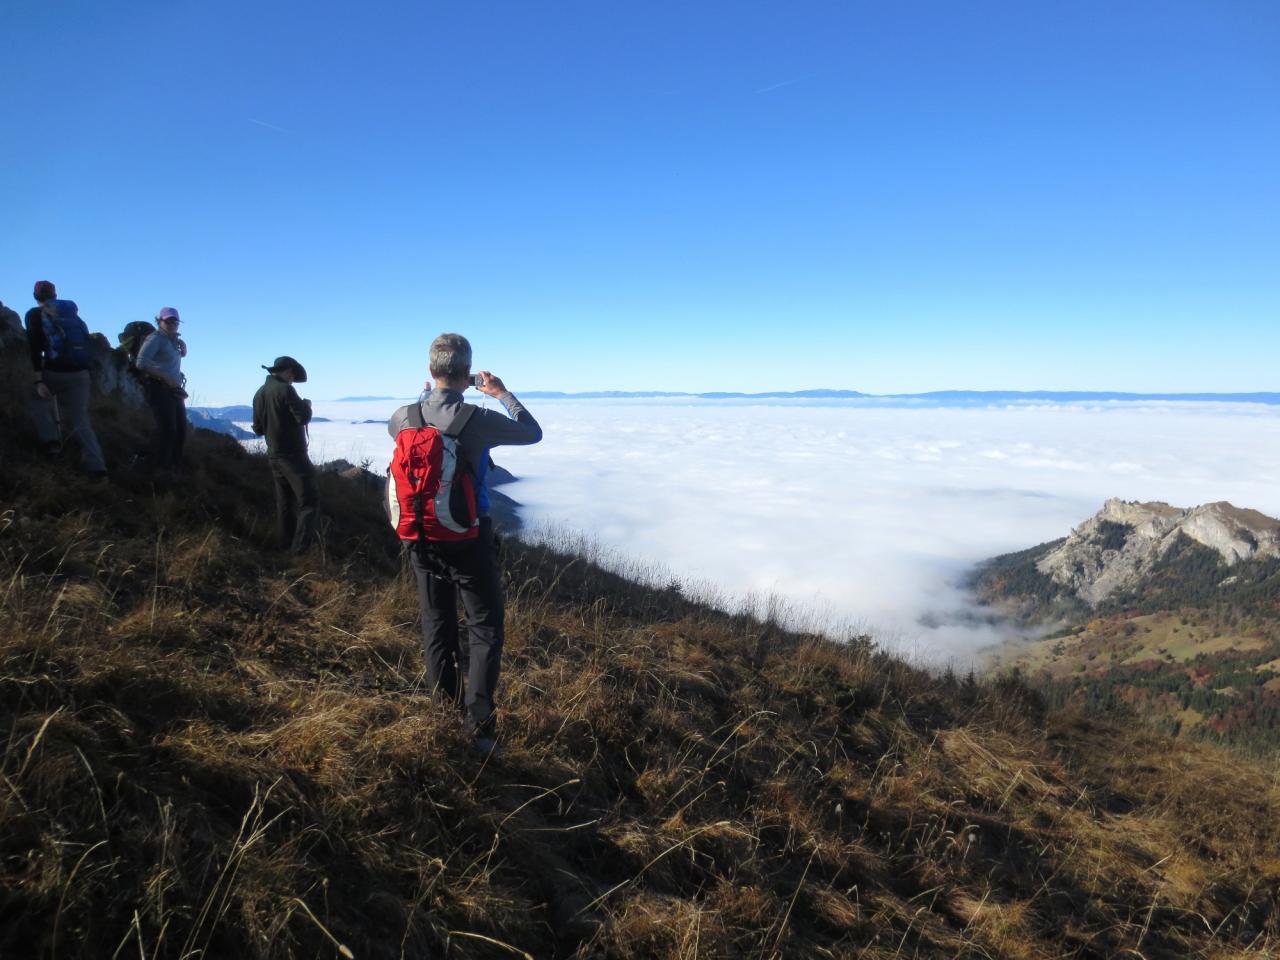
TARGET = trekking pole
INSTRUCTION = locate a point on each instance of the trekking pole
(57, 415)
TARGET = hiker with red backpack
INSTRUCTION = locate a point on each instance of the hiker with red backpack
(282, 416)
(160, 361)
(437, 500)
(59, 344)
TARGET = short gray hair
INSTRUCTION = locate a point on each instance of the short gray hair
(450, 356)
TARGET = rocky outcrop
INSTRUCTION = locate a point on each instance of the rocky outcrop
(11, 332)
(361, 476)
(110, 371)
(1116, 548)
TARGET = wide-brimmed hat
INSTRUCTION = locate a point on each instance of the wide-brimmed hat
(288, 363)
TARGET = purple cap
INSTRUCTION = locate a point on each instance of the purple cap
(167, 313)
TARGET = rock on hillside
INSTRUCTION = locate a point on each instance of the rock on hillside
(1121, 544)
(10, 326)
(110, 370)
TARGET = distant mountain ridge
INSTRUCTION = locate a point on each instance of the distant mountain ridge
(951, 397)
(1079, 396)
(200, 417)
(226, 419)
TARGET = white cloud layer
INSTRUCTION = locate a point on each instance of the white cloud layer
(861, 514)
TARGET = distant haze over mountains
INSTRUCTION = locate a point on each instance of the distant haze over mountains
(946, 397)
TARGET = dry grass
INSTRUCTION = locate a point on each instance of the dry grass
(208, 751)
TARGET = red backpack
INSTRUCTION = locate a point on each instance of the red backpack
(431, 490)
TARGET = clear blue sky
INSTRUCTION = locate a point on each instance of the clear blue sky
(649, 195)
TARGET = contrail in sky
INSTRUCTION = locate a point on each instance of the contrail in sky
(779, 86)
(269, 126)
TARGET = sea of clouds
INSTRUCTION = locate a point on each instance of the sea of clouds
(858, 515)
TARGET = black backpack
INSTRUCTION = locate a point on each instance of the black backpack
(132, 337)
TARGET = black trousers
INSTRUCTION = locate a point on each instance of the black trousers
(170, 411)
(444, 571)
(297, 501)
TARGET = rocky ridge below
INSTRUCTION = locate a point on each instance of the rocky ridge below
(1119, 546)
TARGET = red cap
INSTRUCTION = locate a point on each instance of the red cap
(44, 290)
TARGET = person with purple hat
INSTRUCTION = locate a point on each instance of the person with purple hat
(59, 343)
(160, 361)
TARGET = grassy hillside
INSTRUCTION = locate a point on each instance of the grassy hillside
(211, 751)
(1210, 674)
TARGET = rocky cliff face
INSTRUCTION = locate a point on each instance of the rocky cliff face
(10, 327)
(1118, 547)
(111, 377)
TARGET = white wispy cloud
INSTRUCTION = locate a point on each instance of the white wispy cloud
(869, 515)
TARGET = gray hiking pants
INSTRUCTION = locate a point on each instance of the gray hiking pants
(297, 501)
(66, 414)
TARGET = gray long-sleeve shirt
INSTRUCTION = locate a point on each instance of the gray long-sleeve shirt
(486, 429)
(160, 354)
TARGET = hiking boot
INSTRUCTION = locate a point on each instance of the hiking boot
(51, 449)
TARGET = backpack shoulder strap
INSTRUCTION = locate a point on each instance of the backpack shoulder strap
(460, 420)
(50, 310)
(414, 420)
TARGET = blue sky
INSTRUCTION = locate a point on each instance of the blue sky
(701, 196)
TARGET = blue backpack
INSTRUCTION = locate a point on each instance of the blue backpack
(65, 334)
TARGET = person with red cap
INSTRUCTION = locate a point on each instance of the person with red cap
(160, 361)
(59, 343)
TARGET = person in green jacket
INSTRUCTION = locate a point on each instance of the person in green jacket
(282, 416)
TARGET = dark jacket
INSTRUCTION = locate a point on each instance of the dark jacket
(281, 415)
